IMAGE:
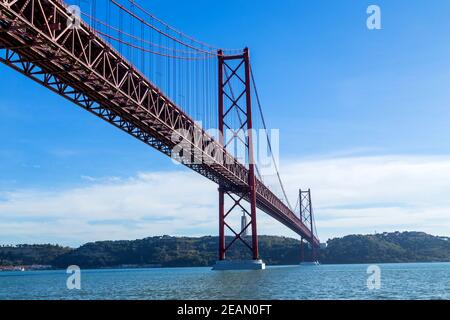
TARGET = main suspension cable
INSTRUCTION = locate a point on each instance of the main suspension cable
(213, 53)
(179, 32)
(131, 45)
(138, 38)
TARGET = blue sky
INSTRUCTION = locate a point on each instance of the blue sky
(339, 93)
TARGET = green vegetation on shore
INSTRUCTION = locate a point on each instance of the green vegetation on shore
(169, 251)
(393, 247)
(26, 255)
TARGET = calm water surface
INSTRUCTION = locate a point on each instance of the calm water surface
(398, 281)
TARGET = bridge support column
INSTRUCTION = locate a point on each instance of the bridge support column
(302, 251)
(221, 225)
(236, 200)
(235, 98)
(307, 217)
(251, 158)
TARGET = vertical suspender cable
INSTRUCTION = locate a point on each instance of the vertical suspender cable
(268, 139)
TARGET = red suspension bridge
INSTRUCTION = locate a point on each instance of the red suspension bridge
(101, 56)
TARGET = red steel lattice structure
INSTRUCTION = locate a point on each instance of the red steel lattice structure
(235, 102)
(79, 65)
(307, 216)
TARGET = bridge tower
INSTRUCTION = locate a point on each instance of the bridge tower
(307, 216)
(235, 99)
(82, 65)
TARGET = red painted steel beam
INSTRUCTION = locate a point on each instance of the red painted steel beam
(70, 63)
(251, 156)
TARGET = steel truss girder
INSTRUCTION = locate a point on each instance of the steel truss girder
(79, 65)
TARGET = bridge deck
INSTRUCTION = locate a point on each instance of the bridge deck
(79, 65)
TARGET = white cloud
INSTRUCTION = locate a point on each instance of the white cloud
(148, 204)
(350, 195)
(383, 193)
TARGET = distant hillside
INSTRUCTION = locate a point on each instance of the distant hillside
(43, 254)
(169, 251)
(174, 252)
(387, 248)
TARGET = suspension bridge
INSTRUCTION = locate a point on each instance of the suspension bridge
(118, 61)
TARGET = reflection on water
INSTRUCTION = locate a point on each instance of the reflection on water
(398, 281)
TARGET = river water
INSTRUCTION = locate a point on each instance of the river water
(397, 281)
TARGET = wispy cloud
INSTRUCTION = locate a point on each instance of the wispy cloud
(350, 195)
(152, 203)
(384, 193)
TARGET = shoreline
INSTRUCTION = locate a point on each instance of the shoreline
(16, 269)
